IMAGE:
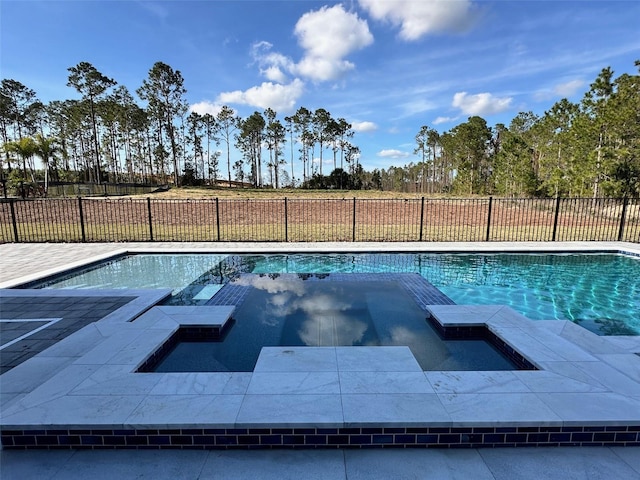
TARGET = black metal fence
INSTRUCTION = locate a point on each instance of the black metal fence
(305, 220)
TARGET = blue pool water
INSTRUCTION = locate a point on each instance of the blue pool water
(312, 310)
(598, 291)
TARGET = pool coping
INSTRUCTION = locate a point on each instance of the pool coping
(316, 247)
(587, 391)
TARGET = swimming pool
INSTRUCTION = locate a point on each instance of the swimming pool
(327, 310)
(598, 291)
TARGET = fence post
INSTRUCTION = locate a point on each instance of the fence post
(625, 202)
(286, 223)
(489, 219)
(84, 238)
(218, 218)
(13, 220)
(353, 237)
(555, 219)
(150, 222)
(421, 217)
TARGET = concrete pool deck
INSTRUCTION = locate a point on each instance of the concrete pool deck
(599, 374)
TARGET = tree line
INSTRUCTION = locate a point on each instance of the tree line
(108, 136)
(589, 148)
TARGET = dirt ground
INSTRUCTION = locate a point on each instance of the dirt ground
(317, 216)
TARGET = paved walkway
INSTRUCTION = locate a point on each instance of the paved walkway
(485, 464)
(531, 463)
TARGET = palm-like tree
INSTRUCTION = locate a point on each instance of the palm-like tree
(24, 148)
(46, 148)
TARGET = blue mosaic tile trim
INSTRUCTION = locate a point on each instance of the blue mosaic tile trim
(230, 294)
(422, 291)
(352, 437)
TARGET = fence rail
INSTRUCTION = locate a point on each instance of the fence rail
(305, 220)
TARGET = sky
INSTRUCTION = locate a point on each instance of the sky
(388, 67)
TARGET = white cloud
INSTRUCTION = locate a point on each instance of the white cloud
(272, 65)
(268, 95)
(564, 90)
(393, 154)
(567, 89)
(206, 107)
(155, 8)
(417, 18)
(328, 35)
(481, 103)
(364, 127)
(440, 120)
(416, 106)
(274, 74)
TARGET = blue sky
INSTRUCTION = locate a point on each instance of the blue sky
(387, 67)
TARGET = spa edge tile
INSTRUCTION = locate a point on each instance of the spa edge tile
(76, 411)
(111, 346)
(390, 410)
(293, 383)
(184, 411)
(597, 409)
(296, 359)
(384, 382)
(497, 409)
(546, 381)
(476, 382)
(291, 411)
(201, 383)
(116, 380)
(536, 351)
(135, 353)
(376, 359)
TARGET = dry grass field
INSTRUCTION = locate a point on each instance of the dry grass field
(262, 194)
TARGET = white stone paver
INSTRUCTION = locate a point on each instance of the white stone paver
(559, 463)
(376, 359)
(296, 359)
(594, 408)
(280, 411)
(199, 316)
(554, 463)
(542, 381)
(201, 383)
(476, 382)
(389, 410)
(294, 383)
(405, 464)
(384, 382)
(189, 411)
(499, 409)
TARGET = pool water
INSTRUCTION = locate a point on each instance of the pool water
(298, 310)
(598, 291)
